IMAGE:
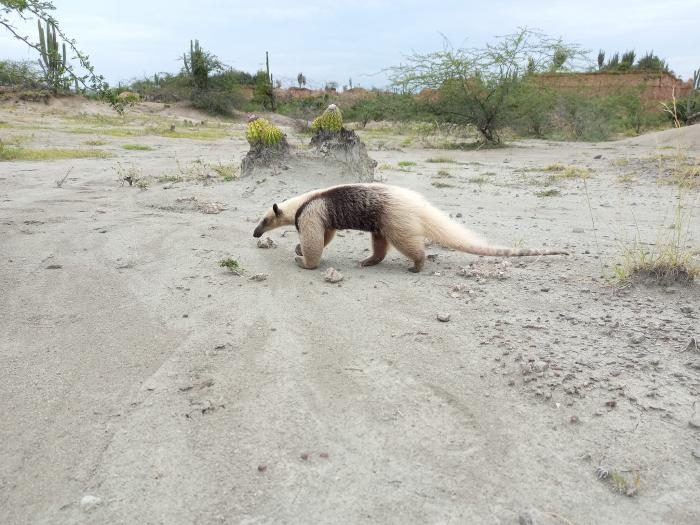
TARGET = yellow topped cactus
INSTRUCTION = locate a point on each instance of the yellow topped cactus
(330, 120)
(261, 130)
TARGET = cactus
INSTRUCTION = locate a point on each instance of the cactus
(330, 120)
(52, 61)
(696, 80)
(262, 131)
(197, 66)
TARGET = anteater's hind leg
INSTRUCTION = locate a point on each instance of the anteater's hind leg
(327, 237)
(379, 246)
(412, 247)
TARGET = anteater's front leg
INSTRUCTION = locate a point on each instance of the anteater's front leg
(327, 237)
(311, 236)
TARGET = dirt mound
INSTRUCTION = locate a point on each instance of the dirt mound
(688, 136)
(345, 148)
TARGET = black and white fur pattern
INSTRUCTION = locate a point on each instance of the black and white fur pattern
(393, 215)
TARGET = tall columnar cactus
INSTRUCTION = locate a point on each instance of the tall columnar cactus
(696, 80)
(330, 120)
(196, 65)
(52, 61)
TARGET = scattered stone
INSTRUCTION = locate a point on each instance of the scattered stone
(324, 455)
(694, 422)
(574, 420)
(696, 453)
(262, 467)
(637, 339)
(333, 276)
(259, 277)
(597, 157)
(266, 243)
(611, 404)
(185, 316)
(686, 309)
(692, 345)
(90, 502)
(578, 230)
(305, 456)
(443, 317)
(545, 289)
(54, 267)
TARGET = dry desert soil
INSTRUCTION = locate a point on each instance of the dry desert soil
(140, 382)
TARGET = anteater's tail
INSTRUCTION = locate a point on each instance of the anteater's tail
(440, 228)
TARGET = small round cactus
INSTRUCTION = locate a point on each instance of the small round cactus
(262, 131)
(330, 120)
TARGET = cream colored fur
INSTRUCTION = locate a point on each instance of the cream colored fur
(409, 218)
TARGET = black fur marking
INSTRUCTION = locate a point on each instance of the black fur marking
(351, 208)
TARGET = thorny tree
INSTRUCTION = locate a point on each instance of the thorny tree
(12, 11)
(475, 85)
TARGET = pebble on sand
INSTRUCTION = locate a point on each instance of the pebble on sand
(265, 243)
(332, 276)
(89, 502)
(443, 317)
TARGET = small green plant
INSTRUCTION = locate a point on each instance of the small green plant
(441, 160)
(626, 177)
(10, 152)
(231, 265)
(330, 120)
(443, 174)
(228, 172)
(261, 131)
(406, 163)
(96, 142)
(137, 147)
(386, 166)
(620, 162)
(164, 179)
(477, 180)
(130, 175)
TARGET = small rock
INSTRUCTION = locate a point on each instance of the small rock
(89, 502)
(611, 404)
(259, 277)
(574, 419)
(266, 242)
(332, 276)
(544, 289)
(185, 315)
(305, 456)
(692, 345)
(597, 157)
(324, 455)
(262, 467)
(696, 453)
(637, 339)
(443, 318)
(458, 215)
(578, 230)
(694, 422)
(686, 309)
(54, 267)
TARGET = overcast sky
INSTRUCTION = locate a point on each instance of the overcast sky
(333, 40)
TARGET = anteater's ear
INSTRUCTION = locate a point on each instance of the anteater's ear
(276, 209)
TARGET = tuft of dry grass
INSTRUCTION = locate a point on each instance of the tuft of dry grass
(10, 153)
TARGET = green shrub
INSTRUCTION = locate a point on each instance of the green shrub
(20, 73)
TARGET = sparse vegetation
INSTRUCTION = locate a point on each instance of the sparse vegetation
(130, 174)
(137, 147)
(261, 131)
(440, 160)
(96, 142)
(9, 152)
(232, 265)
(406, 163)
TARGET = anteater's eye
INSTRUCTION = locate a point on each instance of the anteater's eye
(264, 221)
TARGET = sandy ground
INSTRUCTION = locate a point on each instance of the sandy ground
(141, 382)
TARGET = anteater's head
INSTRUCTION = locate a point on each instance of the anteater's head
(274, 218)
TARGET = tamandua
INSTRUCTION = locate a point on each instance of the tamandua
(393, 215)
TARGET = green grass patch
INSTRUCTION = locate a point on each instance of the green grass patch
(441, 160)
(164, 179)
(477, 180)
(561, 171)
(406, 163)
(95, 142)
(8, 153)
(137, 147)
